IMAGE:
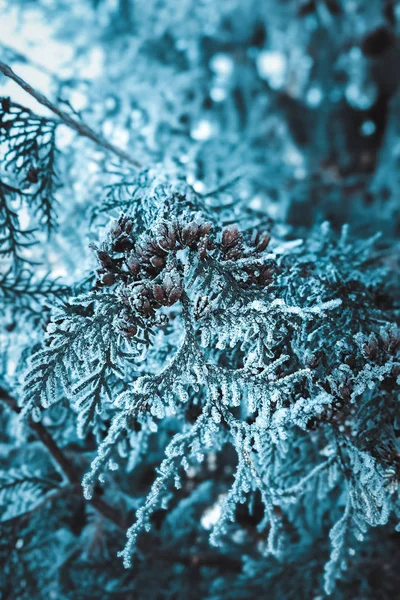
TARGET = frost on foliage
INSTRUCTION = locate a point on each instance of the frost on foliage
(339, 536)
(79, 357)
(201, 326)
(225, 386)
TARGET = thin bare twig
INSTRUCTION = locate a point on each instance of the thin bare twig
(81, 128)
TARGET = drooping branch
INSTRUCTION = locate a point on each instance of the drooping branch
(107, 511)
(81, 128)
(64, 462)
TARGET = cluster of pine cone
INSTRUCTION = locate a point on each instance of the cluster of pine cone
(151, 279)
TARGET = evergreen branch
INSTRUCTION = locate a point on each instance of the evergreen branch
(81, 128)
(13, 239)
(20, 292)
(66, 465)
(53, 494)
(102, 507)
(28, 152)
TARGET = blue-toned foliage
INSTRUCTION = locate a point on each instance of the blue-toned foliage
(199, 301)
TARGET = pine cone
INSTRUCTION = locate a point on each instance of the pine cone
(142, 302)
(261, 241)
(167, 237)
(105, 259)
(107, 279)
(133, 264)
(231, 243)
(123, 225)
(190, 234)
(169, 292)
(121, 234)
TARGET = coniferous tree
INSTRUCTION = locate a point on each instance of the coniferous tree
(199, 300)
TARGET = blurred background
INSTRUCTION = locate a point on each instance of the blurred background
(297, 99)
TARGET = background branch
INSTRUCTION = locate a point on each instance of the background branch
(64, 462)
(81, 128)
